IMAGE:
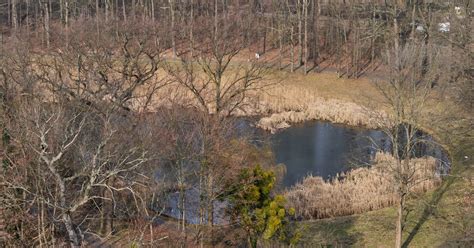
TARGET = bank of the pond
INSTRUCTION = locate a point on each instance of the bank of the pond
(443, 217)
(324, 149)
(332, 110)
(336, 170)
(359, 190)
(358, 103)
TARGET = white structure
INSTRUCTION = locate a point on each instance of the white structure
(444, 27)
(459, 11)
(257, 55)
(420, 28)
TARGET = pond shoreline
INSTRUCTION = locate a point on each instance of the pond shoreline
(353, 116)
(333, 110)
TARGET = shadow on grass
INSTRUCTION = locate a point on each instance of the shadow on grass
(329, 233)
(429, 209)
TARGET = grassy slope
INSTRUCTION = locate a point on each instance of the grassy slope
(328, 85)
(444, 217)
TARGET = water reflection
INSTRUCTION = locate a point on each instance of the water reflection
(323, 149)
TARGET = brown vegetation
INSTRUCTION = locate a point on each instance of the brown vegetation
(332, 110)
(359, 190)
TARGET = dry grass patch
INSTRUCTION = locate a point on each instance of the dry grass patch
(335, 111)
(359, 190)
(321, 97)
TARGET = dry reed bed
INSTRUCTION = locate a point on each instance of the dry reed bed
(359, 190)
(298, 104)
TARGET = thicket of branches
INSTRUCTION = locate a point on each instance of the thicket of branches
(350, 37)
(82, 152)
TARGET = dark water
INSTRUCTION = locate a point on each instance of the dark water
(323, 149)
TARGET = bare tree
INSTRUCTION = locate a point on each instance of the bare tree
(14, 15)
(75, 154)
(406, 95)
(46, 25)
(219, 85)
(72, 123)
(122, 69)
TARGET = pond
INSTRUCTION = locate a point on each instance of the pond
(312, 148)
(324, 149)
(316, 147)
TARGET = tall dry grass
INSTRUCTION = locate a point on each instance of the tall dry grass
(333, 110)
(359, 190)
(287, 104)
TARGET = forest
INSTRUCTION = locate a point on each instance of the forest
(244, 123)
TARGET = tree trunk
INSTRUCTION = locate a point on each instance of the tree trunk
(215, 20)
(116, 10)
(172, 12)
(106, 10)
(46, 23)
(210, 206)
(292, 50)
(152, 10)
(73, 237)
(9, 10)
(66, 21)
(202, 200)
(305, 14)
(97, 17)
(264, 50)
(373, 38)
(182, 196)
(107, 225)
(66, 13)
(315, 32)
(61, 10)
(124, 11)
(14, 15)
(27, 19)
(300, 33)
(401, 195)
(280, 46)
(397, 46)
(133, 9)
(37, 17)
(399, 230)
(191, 29)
